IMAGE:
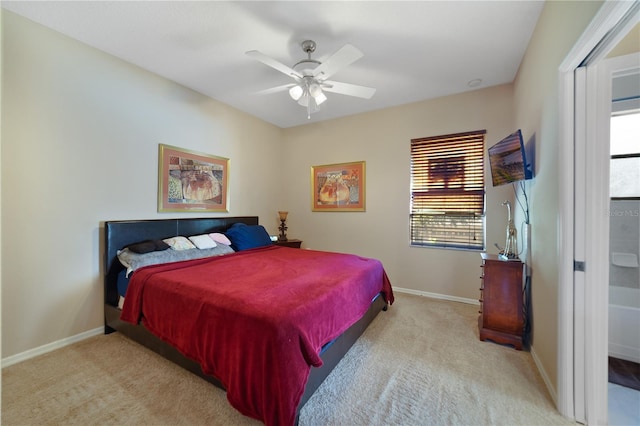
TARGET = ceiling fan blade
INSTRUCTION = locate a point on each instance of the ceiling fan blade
(273, 63)
(348, 89)
(276, 89)
(345, 56)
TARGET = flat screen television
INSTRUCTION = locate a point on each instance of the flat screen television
(508, 160)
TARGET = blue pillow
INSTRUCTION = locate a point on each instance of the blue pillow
(244, 237)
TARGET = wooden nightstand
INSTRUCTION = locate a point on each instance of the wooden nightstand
(289, 243)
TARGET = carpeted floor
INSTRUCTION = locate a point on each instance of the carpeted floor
(418, 363)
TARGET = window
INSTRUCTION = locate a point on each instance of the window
(625, 156)
(447, 191)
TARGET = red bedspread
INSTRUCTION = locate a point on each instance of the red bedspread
(256, 319)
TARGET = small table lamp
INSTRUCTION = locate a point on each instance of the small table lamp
(283, 226)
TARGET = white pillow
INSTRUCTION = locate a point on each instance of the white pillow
(202, 241)
(179, 243)
(220, 238)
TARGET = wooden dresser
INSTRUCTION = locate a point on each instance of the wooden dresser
(501, 299)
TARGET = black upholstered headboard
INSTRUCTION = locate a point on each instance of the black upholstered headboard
(121, 233)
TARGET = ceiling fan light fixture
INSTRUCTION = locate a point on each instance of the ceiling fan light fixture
(314, 89)
(304, 98)
(320, 98)
(296, 92)
(311, 96)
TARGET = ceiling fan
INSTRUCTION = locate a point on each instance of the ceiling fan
(311, 76)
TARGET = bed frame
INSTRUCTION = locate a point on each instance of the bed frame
(119, 234)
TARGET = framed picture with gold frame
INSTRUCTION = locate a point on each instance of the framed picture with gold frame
(338, 187)
(190, 181)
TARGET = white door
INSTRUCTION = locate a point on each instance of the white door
(583, 239)
(593, 117)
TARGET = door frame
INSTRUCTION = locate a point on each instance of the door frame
(581, 395)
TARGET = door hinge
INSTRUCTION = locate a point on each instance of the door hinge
(578, 266)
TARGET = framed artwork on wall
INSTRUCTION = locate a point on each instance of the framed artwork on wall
(338, 187)
(190, 181)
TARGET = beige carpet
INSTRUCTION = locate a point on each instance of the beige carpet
(420, 363)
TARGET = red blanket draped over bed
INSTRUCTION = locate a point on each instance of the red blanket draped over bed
(257, 319)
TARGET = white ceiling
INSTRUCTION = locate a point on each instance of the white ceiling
(413, 50)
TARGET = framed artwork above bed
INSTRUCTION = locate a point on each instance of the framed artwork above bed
(338, 187)
(191, 181)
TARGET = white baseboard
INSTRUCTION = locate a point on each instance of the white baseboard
(545, 377)
(436, 295)
(31, 353)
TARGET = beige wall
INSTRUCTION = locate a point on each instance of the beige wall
(80, 135)
(382, 140)
(536, 112)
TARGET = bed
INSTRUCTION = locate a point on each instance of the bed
(277, 377)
